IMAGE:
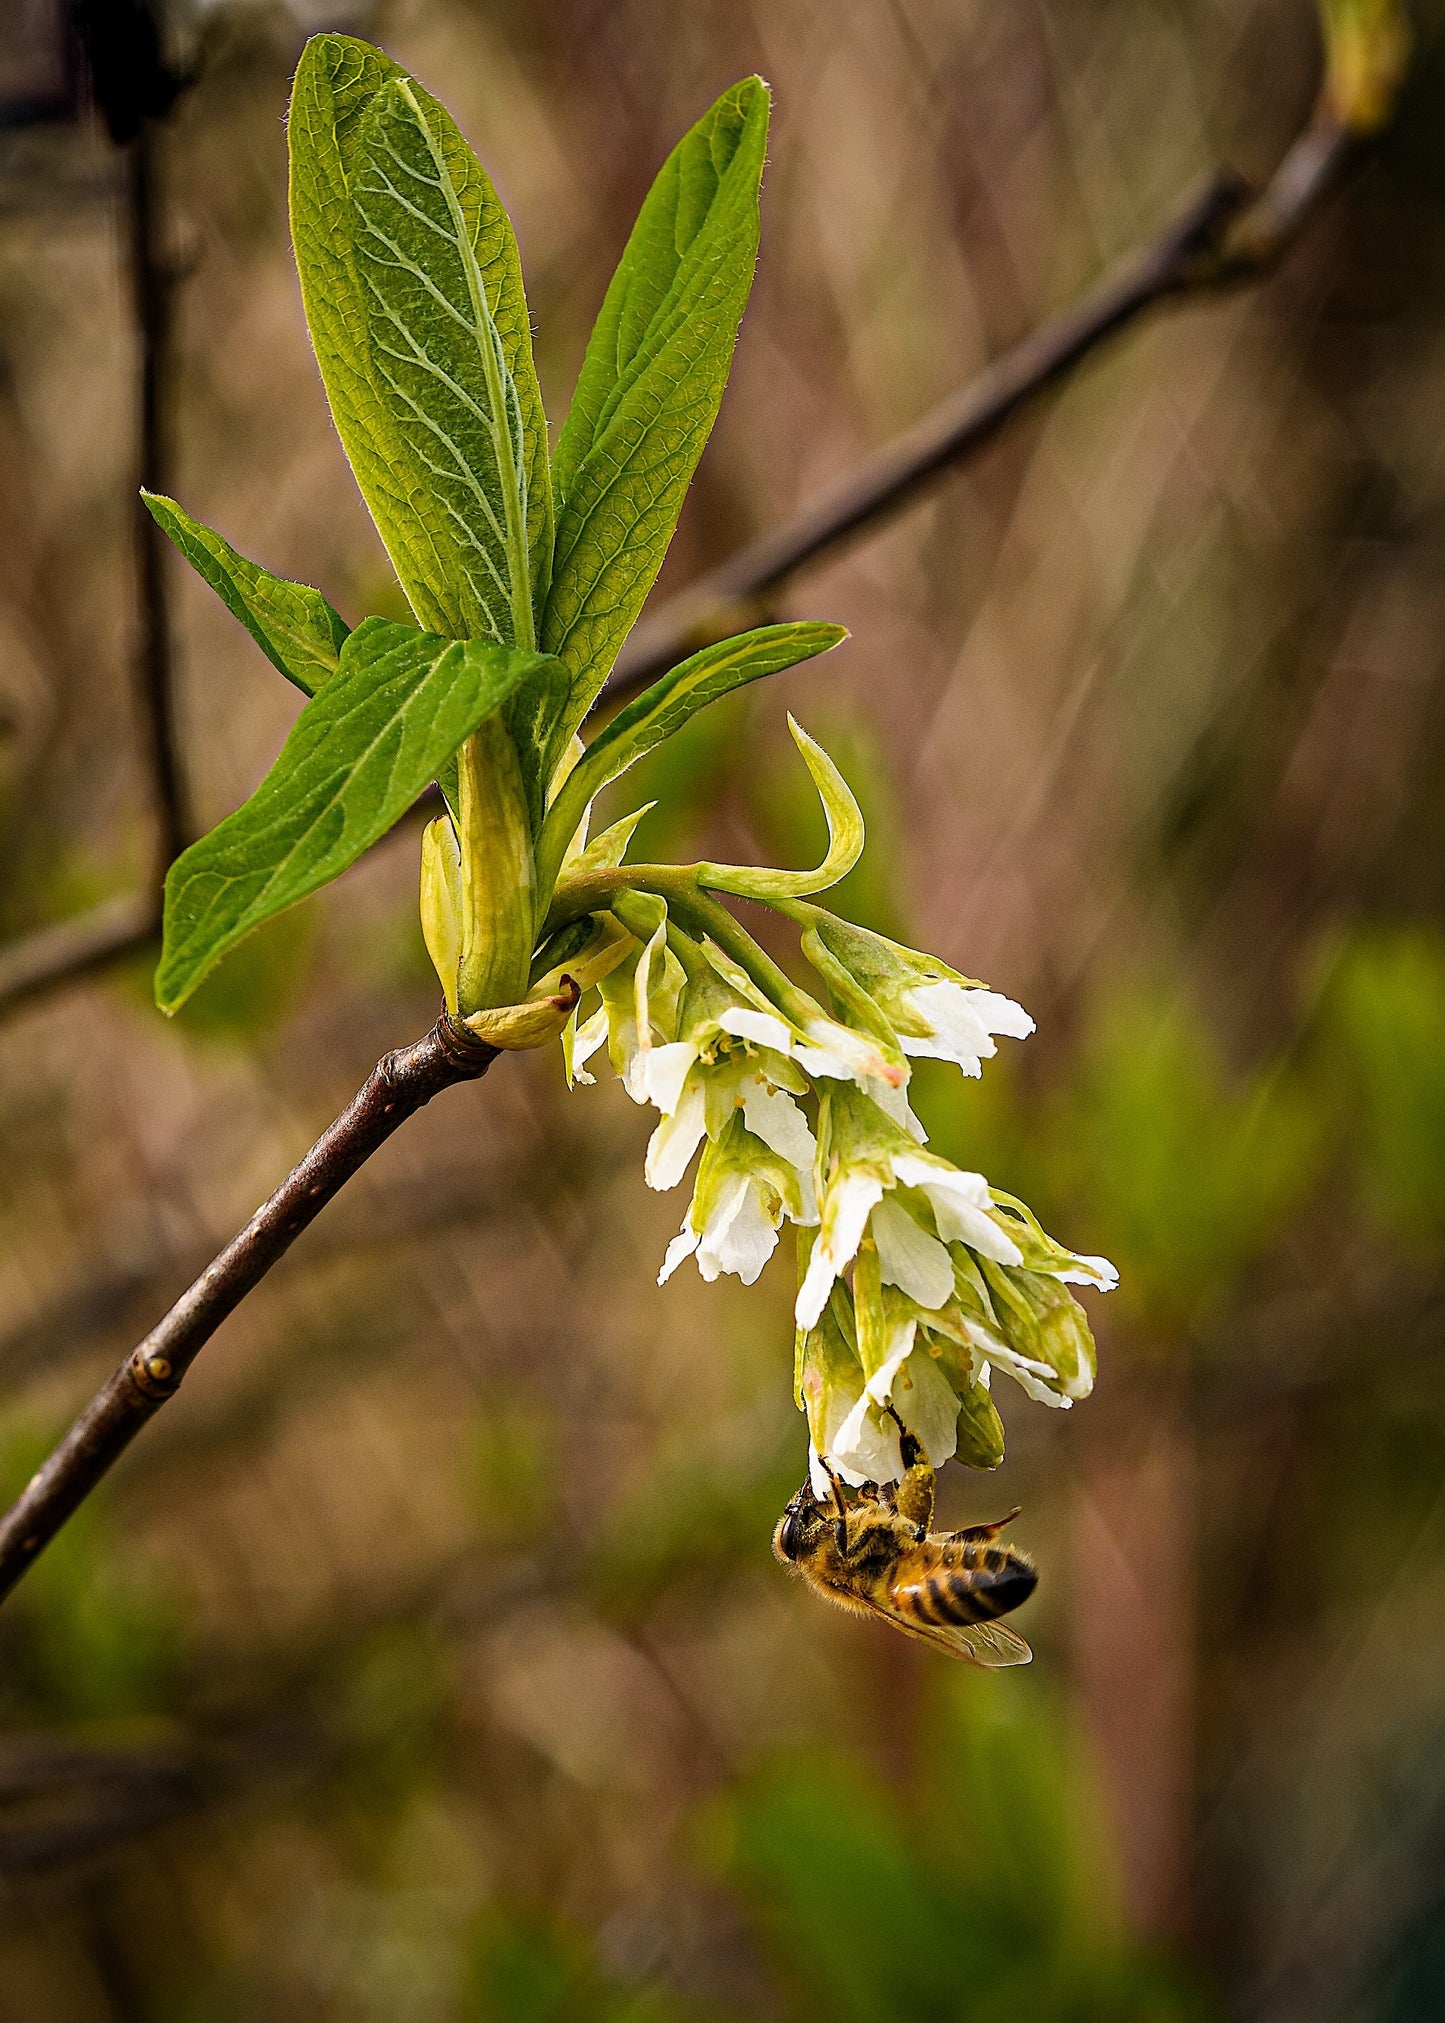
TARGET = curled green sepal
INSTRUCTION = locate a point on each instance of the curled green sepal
(845, 840)
(663, 709)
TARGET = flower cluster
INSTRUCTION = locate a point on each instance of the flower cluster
(916, 1280)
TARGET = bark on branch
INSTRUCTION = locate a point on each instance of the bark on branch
(398, 1086)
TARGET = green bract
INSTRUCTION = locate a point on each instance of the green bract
(917, 1280)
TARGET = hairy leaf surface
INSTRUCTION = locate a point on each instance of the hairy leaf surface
(413, 295)
(293, 625)
(651, 385)
(384, 726)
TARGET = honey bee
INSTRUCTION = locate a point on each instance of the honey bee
(880, 1557)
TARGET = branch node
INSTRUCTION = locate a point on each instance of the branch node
(463, 1050)
(154, 1376)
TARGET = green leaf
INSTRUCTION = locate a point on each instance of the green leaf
(398, 706)
(845, 841)
(663, 709)
(651, 385)
(413, 295)
(293, 625)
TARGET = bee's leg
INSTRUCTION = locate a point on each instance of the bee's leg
(840, 1528)
(913, 1499)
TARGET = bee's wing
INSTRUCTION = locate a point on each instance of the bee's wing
(986, 1644)
(984, 1533)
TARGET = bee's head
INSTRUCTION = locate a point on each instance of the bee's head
(800, 1527)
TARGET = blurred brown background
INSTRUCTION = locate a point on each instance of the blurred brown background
(427, 1660)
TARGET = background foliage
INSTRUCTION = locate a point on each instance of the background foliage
(428, 1660)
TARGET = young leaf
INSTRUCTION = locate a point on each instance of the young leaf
(651, 385)
(413, 295)
(293, 625)
(665, 708)
(845, 840)
(398, 706)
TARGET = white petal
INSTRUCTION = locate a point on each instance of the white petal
(894, 1103)
(955, 1032)
(863, 1450)
(914, 1261)
(813, 1292)
(1094, 1271)
(625, 1040)
(777, 1120)
(682, 1245)
(960, 1202)
(1000, 1014)
(924, 1400)
(845, 1215)
(1026, 1373)
(760, 1027)
(677, 1137)
(744, 1243)
(963, 1022)
(818, 1061)
(850, 1202)
(900, 1346)
(818, 1481)
(864, 1059)
(663, 1071)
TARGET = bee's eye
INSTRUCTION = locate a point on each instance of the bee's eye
(792, 1540)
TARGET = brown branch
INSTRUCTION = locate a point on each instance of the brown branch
(1224, 234)
(399, 1085)
(77, 947)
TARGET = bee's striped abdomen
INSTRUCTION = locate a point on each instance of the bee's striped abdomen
(970, 1584)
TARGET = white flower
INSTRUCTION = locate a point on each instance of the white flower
(821, 1045)
(949, 1021)
(738, 1234)
(743, 1191)
(851, 1418)
(581, 1044)
(715, 1071)
(869, 1156)
(933, 1011)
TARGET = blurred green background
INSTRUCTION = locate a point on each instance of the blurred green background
(427, 1660)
